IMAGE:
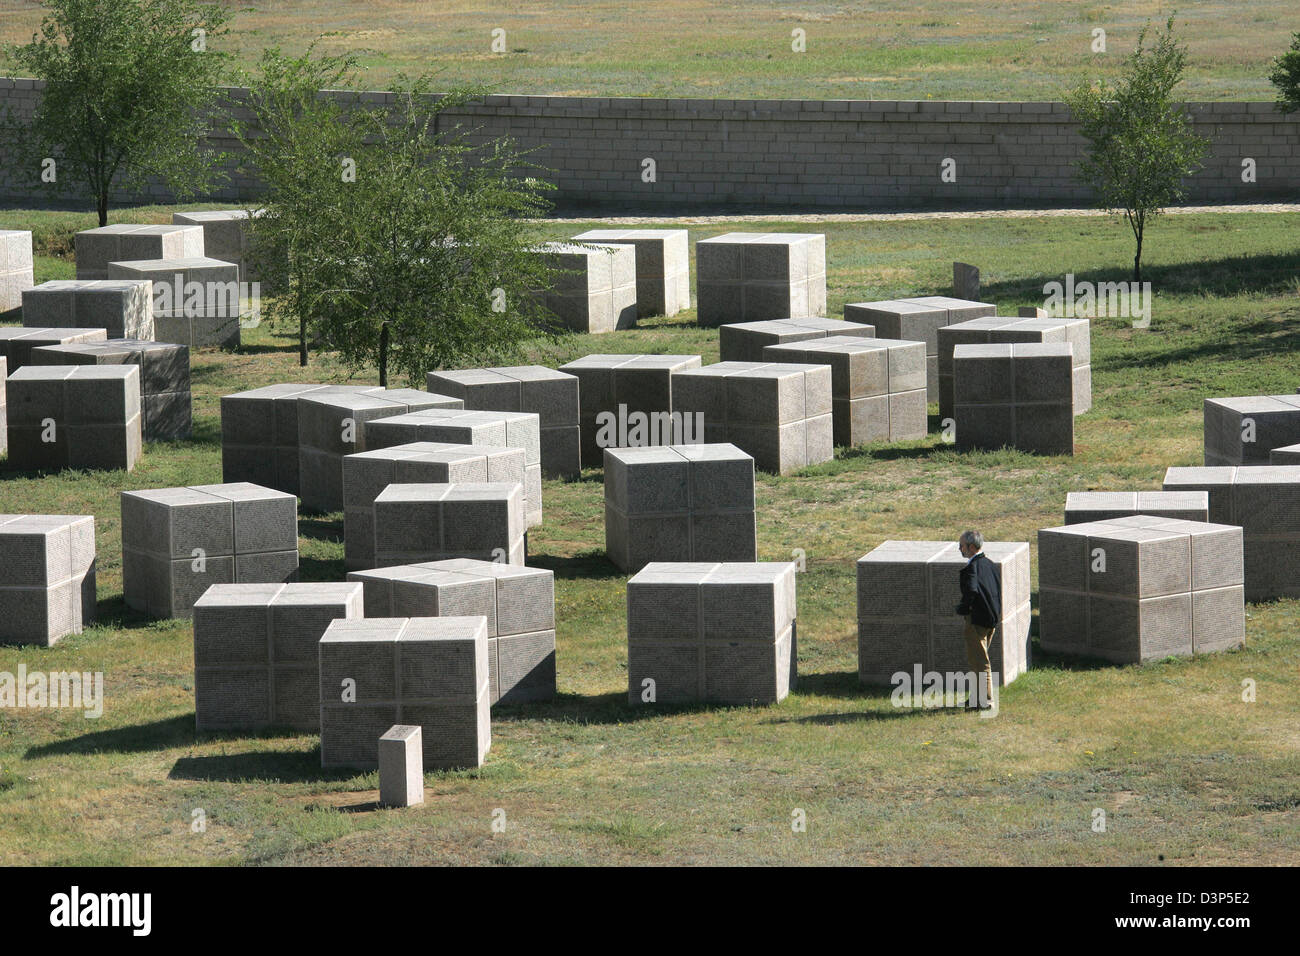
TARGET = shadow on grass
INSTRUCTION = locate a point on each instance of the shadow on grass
(596, 710)
(279, 766)
(591, 565)
(320, 528)
(887, 452)
(328, 571)
(138, 738)
(859, 716)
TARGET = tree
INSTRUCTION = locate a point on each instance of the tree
(401, 245)
(1141, 145)
(130, 88)
(1286, 77)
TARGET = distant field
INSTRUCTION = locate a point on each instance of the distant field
(903, 49)
(1186, 771)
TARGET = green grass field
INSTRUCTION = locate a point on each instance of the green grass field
(1186, 771)
(901, 49)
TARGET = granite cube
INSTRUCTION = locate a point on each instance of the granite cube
(438, 520)
(778, 413)
(517, 602)
(47, 577)
(122, 307)
(176, 542)
(1086, 506)
(1140, 588)
(878, 390)
(745, 341)
(225, 234)
(908, 592)
(1017, 396)
(1245, 430)
(17, 343)
(74, 416)
(428, 672)
(255, 652)
(96, 249)
(711, 632)
(663, 280)
(197, 301)
(16, 268)
(909, 321)
(752, 276)
(679, 503)
(595, 286)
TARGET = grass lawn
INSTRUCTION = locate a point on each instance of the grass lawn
(898, 49)
(1186, 771)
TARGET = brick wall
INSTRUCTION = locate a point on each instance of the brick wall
(790, 154)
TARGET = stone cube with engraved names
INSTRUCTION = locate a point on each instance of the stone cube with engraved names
(197, 301)
(615, 390)
(439, 520)
(778, 413)
(74, 416)
(225, 234)
(17, 274)
(910, 321)
(745, 341)
(17, 343)
(877, 385)
(47, 577)
(679, 503)
(1084, 506)
(122, 307)
(333, 423)
(1245, 430)
(908, 592)
(663, 263)
(1287, 455)
(126, 242)
(1264, 501)
(1141, 588)
(177, 542)
(164, 378)
(426, 672)
(255, 652)
(464, 427)
(1015, 396)
(551, 394)
(594, 286)
(366, 474)
(753, 276)
(711, 632)
(517, 602)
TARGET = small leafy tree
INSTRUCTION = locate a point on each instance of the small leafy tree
(1286, 77)
(400, 244)
(1141, 145)
(130, 88)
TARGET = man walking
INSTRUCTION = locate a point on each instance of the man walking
(981, 605)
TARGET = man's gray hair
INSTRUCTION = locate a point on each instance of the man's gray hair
(973, 538)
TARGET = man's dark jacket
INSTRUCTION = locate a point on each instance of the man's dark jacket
(981, 597)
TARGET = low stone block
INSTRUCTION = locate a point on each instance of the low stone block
(401, 766)
(122, 307)
(177, 542)
(255, 652)
(197, 300)
(627, 400)
(164, 378)
(1001, 330)
(752, 277)
(595, 286)
(1245, 430)
(1140, 588)
(679, 503)
(435, 521)
(878, 386)
(426, 672)
(16, 269)
(367, 474)
(745, 341)
(662, 256)
(95, 249)
(74, 416)
(47, 577)
(965, 281)
(551, 394)
(1086, 506)
(518, 604)
(908, 592)
(715, 632)
(778, 413)
(333, 423)
(1017, 396)
(1264, 501)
